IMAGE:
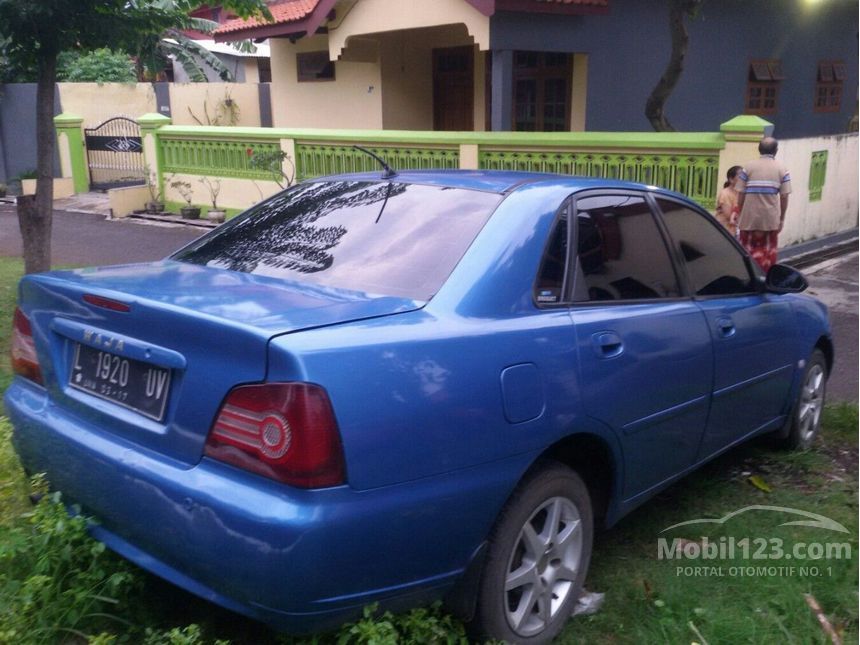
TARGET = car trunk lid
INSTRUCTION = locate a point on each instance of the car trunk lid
(149, 351)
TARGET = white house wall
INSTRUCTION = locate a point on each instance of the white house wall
(352, 100)
(837, 209)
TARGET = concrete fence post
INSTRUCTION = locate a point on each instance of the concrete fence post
(468, 156)
(290, 164)
(70, 146)
(152, 156)
(742, 135)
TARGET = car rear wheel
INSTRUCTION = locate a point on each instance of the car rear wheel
(538, 557)
(806, 417)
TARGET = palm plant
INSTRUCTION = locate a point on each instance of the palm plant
(174, 43)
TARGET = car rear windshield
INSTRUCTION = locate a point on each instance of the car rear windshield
(382, 238)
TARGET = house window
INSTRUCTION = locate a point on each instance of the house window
(542, 91)
(314, 66)
(763, 86)
(828, 85)
(264, 70)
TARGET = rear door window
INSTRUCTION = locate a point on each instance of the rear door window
(383, 238)
(552, 276)
(621, 254)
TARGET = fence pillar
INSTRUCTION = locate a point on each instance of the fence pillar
(152, 156)
(468, 156)
(742, 135)
(70, 146)
(290, 164)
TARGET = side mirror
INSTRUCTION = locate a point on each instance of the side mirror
(782, 278)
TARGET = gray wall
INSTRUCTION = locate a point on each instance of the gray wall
(18, 130)
(628, 49)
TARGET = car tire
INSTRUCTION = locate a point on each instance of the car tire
(537, 559)
(805, 419)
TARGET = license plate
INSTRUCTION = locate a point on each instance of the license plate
(130, 383)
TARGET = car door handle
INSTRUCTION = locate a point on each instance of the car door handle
(608, 344)
(726, 326)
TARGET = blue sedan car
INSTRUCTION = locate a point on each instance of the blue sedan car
(401, 388)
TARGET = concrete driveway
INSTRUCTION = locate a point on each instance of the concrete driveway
(88, 239)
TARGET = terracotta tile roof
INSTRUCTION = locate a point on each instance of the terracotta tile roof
(283, 12)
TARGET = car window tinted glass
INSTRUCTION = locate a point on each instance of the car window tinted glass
(549, 287)
(382, 238)
(621, 254)
(715, 265)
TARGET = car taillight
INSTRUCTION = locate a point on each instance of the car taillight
(24, 360)
(284, 431)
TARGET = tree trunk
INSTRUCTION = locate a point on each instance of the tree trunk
(34, 214)
(655, 105)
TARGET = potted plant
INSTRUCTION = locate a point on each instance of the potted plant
(214, 214)
(184, 188)
(156, 202)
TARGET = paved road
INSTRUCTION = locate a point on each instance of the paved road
(835, 283)
(82, 239)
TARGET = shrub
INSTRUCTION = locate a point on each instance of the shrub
(56, 582)
(99, 66)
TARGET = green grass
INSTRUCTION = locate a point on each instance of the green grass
(648, 600)
(56, 585)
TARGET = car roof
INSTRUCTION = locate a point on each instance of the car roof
(495, 181)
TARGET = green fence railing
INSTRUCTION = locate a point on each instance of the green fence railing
(213, 157)
(685, 162)
(692, 175)
(314, 159)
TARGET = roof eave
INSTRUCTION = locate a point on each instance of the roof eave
(308, 25)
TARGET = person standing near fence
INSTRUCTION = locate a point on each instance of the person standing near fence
(727, 202)
(763, 186)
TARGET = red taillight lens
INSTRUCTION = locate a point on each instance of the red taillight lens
(24, 360)
(285, 431)
(106, 303)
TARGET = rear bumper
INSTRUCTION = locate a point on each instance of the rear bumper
(301, 561)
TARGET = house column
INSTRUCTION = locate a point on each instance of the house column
(152, 157)
(70, 143)
(501, 91)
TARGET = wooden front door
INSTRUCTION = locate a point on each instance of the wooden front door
(453, 88)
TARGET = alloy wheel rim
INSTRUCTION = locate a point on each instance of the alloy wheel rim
(543, 566)
(811, 402)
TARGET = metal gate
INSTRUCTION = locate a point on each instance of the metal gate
(115, 154)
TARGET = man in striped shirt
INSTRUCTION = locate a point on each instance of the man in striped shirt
(764, 185)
